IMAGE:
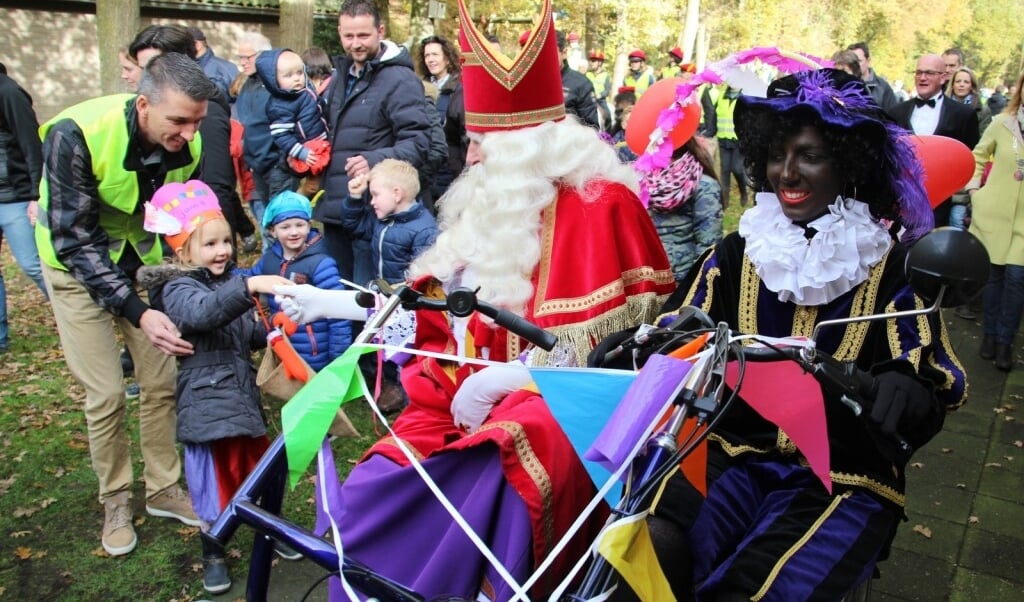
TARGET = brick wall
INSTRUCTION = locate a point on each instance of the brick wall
(54, 55)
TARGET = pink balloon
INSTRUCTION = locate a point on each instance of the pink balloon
(948, 165)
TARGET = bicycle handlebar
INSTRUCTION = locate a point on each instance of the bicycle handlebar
(462, 302)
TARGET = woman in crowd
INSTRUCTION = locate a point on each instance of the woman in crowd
(963, 88)
(440, 64)
(998, 220)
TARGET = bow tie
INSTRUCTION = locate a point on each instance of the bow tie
(920, 102)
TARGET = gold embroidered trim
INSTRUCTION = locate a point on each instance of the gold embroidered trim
(507, 71)
(533, 467)
(390, 440)
(883, 491)
(746, 313)
(774, 573)
(519, 118)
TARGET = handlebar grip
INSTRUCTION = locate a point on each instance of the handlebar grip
(524, 328)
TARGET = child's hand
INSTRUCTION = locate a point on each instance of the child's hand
(357, 186)
(311, 158)
(266, 284)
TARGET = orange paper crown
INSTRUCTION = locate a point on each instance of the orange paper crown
(507, 94)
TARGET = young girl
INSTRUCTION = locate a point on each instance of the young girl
(219, 417)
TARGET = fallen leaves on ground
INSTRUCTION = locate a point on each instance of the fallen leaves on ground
(917, 465)
(973, 520)
(923, 530)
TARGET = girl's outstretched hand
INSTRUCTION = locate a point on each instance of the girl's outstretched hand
(265, 284)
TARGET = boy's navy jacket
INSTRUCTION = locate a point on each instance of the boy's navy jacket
(217, 396)
(317, 342)
(294, 115)
(396, 240)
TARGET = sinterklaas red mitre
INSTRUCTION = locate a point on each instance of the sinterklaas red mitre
(503, 93)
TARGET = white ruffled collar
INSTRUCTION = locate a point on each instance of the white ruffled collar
(847, 243)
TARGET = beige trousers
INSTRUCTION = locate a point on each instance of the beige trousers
(92, 353)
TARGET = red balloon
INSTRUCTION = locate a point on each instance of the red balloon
(644, 117)
(948, 165)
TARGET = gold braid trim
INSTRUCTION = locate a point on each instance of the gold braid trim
(390, 440)
(533, 467)
(581, 337)
(774, 573)
(843, 478)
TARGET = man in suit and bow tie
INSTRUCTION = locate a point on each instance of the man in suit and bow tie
(930, 113)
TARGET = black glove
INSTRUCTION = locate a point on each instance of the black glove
(901, 405)
(595, 359)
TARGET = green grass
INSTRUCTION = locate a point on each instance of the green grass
(50, 520)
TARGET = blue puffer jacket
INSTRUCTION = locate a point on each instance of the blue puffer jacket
(317, 342)
(396, 240)
(294, 114)
(380, 115)
(217, 396)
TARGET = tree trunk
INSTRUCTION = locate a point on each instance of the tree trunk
(689, 35)
(296, 24)
(117, 22)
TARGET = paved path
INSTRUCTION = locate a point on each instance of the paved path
(966, 490)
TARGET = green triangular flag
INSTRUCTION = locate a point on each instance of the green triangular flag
(308, 415)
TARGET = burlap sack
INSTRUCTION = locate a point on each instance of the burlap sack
(273, 381)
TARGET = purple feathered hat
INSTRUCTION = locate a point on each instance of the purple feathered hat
(842, 101)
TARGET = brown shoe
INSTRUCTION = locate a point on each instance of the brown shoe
(118, 534)
(174, 503)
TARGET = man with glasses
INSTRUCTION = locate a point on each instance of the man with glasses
(251, 110)
(930, 113)
(879, 89)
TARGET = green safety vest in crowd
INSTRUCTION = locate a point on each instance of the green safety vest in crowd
(602, 83)
(669, 72)
(724, 107)
(639, 83)
(103, 125)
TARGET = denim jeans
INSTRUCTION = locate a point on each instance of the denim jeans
(1004, 302)
(20, 236)
(957, 215)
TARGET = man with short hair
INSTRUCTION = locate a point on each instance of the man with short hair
(577, 89)
(220, 71)
(104, 158)
(931, 113)
(218, 168)
(376, 110)
(602, 83)
(879, 89)
(953, 58)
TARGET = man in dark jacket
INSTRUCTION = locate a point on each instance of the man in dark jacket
(579, 92)
(376, 109)
(251, 112)
(21, 165)
(220, 71)
(879, 89)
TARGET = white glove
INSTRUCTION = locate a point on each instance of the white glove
(305, 303)
(482, 390)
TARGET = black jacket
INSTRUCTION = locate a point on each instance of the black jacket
(956, 120)
(217, 396)
(380, 115)
(21, 154)
(579, 96)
